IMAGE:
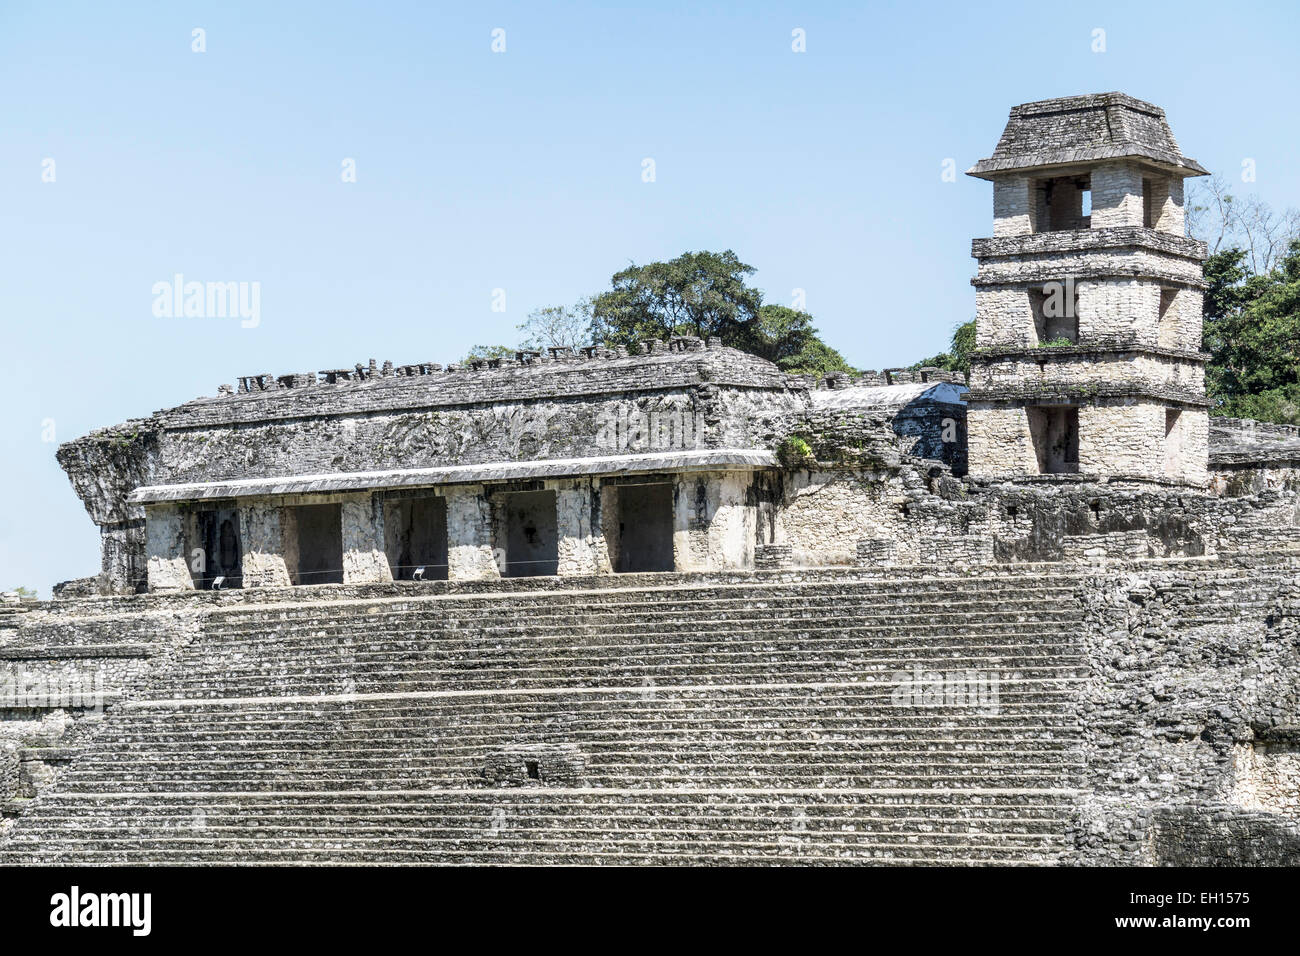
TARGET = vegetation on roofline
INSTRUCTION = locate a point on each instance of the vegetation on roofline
(705, 294)
(957, 358)
(794, 452)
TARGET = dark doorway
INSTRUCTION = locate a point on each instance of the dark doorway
(532, 538)
(317, 531)
(415, 538)
(222, 550)
(645, 528)
(1055, 432)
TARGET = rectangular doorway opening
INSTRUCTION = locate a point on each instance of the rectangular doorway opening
(1055, 309)
(315, 544)
(1055, 433)
(415, 538)
(645, 528)
(220, 561)
(532, 538)
(1062, 202)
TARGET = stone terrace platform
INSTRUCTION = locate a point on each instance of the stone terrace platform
(728, 718)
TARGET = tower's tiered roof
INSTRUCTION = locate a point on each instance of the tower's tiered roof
(1072, 129)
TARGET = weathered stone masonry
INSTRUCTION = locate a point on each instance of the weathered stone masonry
(1088, 325)
(412, 614)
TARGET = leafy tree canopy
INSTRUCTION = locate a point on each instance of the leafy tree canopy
(787, 337)
(705, 294)
(1252, 332)
(698, 293)
(957, 358)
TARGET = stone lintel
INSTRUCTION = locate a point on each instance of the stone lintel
(1035, 273)
(1106, 349)
(702, 460)
(1091, 394)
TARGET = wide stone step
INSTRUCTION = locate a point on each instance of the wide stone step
(662, 620)
(356, 679)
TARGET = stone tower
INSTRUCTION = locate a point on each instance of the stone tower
(1088, 300)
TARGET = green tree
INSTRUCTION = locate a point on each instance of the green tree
(788, 338)
(698, 293)
(482, 352)
(957, 358)
(704, 294)
(1252, 332)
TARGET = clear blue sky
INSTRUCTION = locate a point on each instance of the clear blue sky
(522, 171)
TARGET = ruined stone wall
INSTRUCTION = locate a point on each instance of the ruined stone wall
(686, 398)
(1190, 716)
(928, 515)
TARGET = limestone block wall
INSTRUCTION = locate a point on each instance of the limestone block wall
(1001, 444)
(264, 545)
(1070, 366)
(1182, 323)
(581, 538)
(166, 543)
(123, 554)
(1122, 439)
(1170, 213)
(1124, 309)
(1266, 776)
(1184, 456)
(715, 521)
(1118, 276)
(364, 558)
(827, 515)
(1116, 195)
(1132, 253)
(1013, 206)
(1190, 706)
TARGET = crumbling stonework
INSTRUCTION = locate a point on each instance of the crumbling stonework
(670, 604)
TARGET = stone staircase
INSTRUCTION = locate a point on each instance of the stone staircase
(686, 722)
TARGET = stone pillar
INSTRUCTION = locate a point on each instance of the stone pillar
(693, 508)
(1116, 195)
(261, 526)
(165, 549)
(713, 526)
(578, 540)
(364, 560)
(731, 533)
(1122, 439)
(1171, 214)
(1012, 206)
(470, 553)
(604, 521)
